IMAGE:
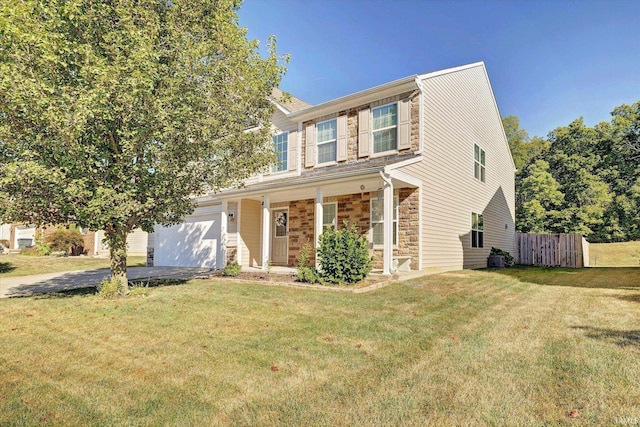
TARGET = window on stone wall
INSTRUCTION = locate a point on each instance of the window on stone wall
(280, 146)
(327, 137)
(377, 220)
(385, 128)
(329, 215)
(478, 163)
(477, 230)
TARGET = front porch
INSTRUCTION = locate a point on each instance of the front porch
(267, 229)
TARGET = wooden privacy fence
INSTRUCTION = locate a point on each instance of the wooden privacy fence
(552, 250)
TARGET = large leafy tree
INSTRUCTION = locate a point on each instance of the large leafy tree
(540, 196)
(115, 113)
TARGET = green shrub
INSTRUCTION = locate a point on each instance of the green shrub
(110, 289)
(508, 258)
(58, 254)
(232, 269)
(65, 240)
(40, 249)
(343, 256)
(306, 271)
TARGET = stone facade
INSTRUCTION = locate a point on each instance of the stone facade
(352, 127)
(232, 254)
(301, 228)
(355, 208)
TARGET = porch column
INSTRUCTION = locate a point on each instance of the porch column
(317, 221)
(222, 245)
(387, 253)
(266, 232)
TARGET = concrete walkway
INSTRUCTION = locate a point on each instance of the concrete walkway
(62, 281)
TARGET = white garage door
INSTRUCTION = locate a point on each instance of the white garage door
(194, 243)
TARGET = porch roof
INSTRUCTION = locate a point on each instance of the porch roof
(335, 180)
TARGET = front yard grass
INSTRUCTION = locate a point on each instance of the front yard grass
(12, 265)
(463, 348)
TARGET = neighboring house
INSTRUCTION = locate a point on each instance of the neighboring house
(420, 165)
(23, 236)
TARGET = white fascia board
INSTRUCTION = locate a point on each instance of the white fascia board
(402, 164)
(311, 181)
(404, 177)
(355, 99)
(450, 70)
(497, 110)
(279, 106)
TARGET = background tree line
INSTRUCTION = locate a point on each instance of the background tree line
(580, 179)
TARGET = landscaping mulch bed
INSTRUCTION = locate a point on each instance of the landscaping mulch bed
(292, 279)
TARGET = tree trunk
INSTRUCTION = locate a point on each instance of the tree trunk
(117, 241)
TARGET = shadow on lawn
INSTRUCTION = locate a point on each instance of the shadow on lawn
(590, 277)
(92, 290)
(6, 267)
(619, 338)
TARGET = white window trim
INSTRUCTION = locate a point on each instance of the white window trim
(396, 199)
(482, 166)
(475, 229)
(373, 131)
(272, 171)
(318, 144)
(336, 218)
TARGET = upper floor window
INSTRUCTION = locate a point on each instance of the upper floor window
(280, 146)
(385, 128)
(327, 137)
(477, 230)
(329, 215)
(377, 220)
(478, 163)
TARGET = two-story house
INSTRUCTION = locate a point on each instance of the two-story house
(420, 165)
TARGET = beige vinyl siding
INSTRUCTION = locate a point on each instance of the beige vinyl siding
(459, 110)
(250, 229)
(136, 243)
(232, 225)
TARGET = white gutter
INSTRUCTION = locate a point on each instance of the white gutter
(355, 99)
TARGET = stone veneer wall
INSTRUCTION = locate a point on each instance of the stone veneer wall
(352, 127)
(355, 209)
(232, 254)
(301, 213)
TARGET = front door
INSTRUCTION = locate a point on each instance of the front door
(280, 236)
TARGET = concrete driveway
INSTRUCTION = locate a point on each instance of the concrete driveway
(56, 282)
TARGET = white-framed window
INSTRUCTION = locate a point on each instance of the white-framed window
(477, 230)
(329, 215)
(385, 128)
(377, 220)
(326, 140)
(281, 148)
(478, 163)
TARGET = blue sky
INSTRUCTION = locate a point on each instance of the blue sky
(549, 62)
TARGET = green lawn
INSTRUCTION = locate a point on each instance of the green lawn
(463, 348)
(12, 265)
(626, 254)
(591, 277)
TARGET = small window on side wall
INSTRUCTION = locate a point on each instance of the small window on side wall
(477, 230)
(478, 163)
